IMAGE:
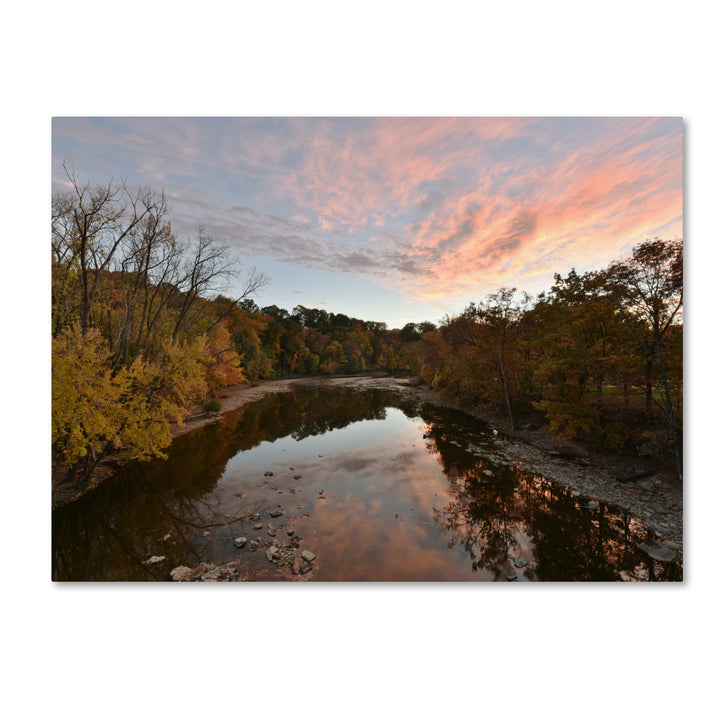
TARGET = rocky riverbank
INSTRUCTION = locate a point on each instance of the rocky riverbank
(291, 564)
(588, 471)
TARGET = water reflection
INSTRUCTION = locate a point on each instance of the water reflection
(378, 487)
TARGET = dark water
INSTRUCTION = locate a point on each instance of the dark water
(388, 490)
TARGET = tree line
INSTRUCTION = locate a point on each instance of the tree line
(141, 332)
(597, 357)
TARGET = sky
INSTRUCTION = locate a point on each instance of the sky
(396, 219)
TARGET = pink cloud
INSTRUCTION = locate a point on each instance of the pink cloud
(455, 207)
(589, 207)
(441, 209)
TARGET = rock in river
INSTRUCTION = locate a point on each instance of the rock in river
(657, 551)
(180, 573)
(240, 542)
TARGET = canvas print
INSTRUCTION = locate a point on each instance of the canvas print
(367, 349)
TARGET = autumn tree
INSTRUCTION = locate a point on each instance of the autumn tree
(98, 411)
(148, 273)
(333, 358)
(136, 339)
(498, 320)
(223, 365)
(247, 330)
(89, 227)
(653, 280)
(580, 344)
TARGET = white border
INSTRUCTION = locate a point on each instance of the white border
(428, 651)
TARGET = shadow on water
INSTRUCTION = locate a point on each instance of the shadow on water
(379, 487)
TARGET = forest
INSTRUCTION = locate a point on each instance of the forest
(141, 332)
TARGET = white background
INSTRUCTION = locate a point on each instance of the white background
(119, 651)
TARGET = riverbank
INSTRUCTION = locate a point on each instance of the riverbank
(589, 472)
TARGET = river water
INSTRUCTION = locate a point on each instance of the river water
(379, 488)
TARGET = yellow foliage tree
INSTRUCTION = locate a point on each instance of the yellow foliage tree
(97, 411)
(85, 394)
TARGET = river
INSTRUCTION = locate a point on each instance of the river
(378, 487)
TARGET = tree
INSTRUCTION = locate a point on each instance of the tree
(207, 268)
(222, 366)
(332, 359)
(98, 411)
(409, 333)
(580, 344)
(248, 305)
(136, 340)
(653, 281)
(275, 312)
(90, 224)
(426, 327)
(253, 282)
(149, 266)
(499, 317)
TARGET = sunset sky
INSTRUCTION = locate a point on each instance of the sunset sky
(397, 219)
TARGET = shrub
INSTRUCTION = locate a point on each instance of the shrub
(211, 406)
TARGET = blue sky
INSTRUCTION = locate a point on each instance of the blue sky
(396, 219)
